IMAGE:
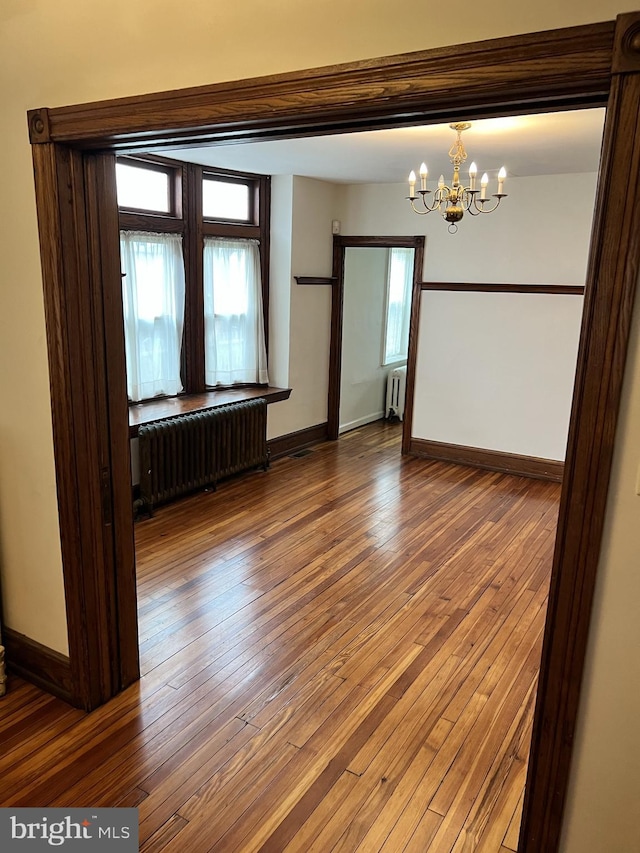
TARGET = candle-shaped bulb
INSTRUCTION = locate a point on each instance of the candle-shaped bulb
(473, 171)
(440, 182)
(412, 183)
(502, 174)
(484, 182)
(423, 176)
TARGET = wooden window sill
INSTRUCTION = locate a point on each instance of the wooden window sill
(150, 411)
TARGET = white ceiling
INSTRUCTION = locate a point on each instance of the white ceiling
(544, 144)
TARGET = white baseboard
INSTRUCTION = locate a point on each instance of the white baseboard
(367, 419)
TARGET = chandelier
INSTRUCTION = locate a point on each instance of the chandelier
(453, 201)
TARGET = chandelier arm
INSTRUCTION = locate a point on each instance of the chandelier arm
(468, 196)
(416, 210)
(428, 208)
(482, 207)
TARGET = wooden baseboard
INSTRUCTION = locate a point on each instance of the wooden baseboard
(492, 460)
(292, 441)
(38, 664)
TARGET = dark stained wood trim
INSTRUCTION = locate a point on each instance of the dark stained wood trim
(314, 279)
(283, 445)
(38, 664)
(263, 208)
(103, 234)
(168, 407)
(150, 222)
(78, 383)
(612, 276)
(412, 352)
(626, 47)
(340, 243)
(39, 131)
(491, 460)
(193, 334)
(383, 242)
(458, 287)
(558, 67)
(335, 343)
(226, 229)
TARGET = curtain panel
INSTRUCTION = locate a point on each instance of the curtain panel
(235, 350)
(153, 293)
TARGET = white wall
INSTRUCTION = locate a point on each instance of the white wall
(314, 204)
(280, 279)
(363, 378)
(494, 371)
(529, 239)
(40, 54)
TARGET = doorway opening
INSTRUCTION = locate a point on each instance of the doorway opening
(516, 300)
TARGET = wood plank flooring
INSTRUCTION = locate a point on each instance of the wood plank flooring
(338, 655)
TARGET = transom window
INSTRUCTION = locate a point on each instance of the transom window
(226, 200)
(144, 187)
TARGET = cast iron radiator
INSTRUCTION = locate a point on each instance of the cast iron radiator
(188, 452)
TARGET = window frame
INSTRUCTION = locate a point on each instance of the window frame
(174, 176)
(394, 362)
(186, 218)
(241, 179)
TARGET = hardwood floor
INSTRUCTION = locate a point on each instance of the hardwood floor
(338, 655)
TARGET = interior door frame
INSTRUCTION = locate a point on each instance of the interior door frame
(340, 245)
(74, 160)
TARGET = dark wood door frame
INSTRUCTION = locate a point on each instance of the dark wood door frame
(340, 244)
(577, 67)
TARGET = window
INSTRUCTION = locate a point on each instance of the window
(153, 288)
(234, 330)
(144, 188)
(226, 200)
(195, 286)
(399, 287)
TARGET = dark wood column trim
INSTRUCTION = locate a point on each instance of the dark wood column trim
(335, 346)
(412, 354)
(78, 403)
(611, 284)
(193, 343)
(114, 446)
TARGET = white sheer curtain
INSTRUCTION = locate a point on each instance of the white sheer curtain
(399, 289)
(233, 317)
(153, 301)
